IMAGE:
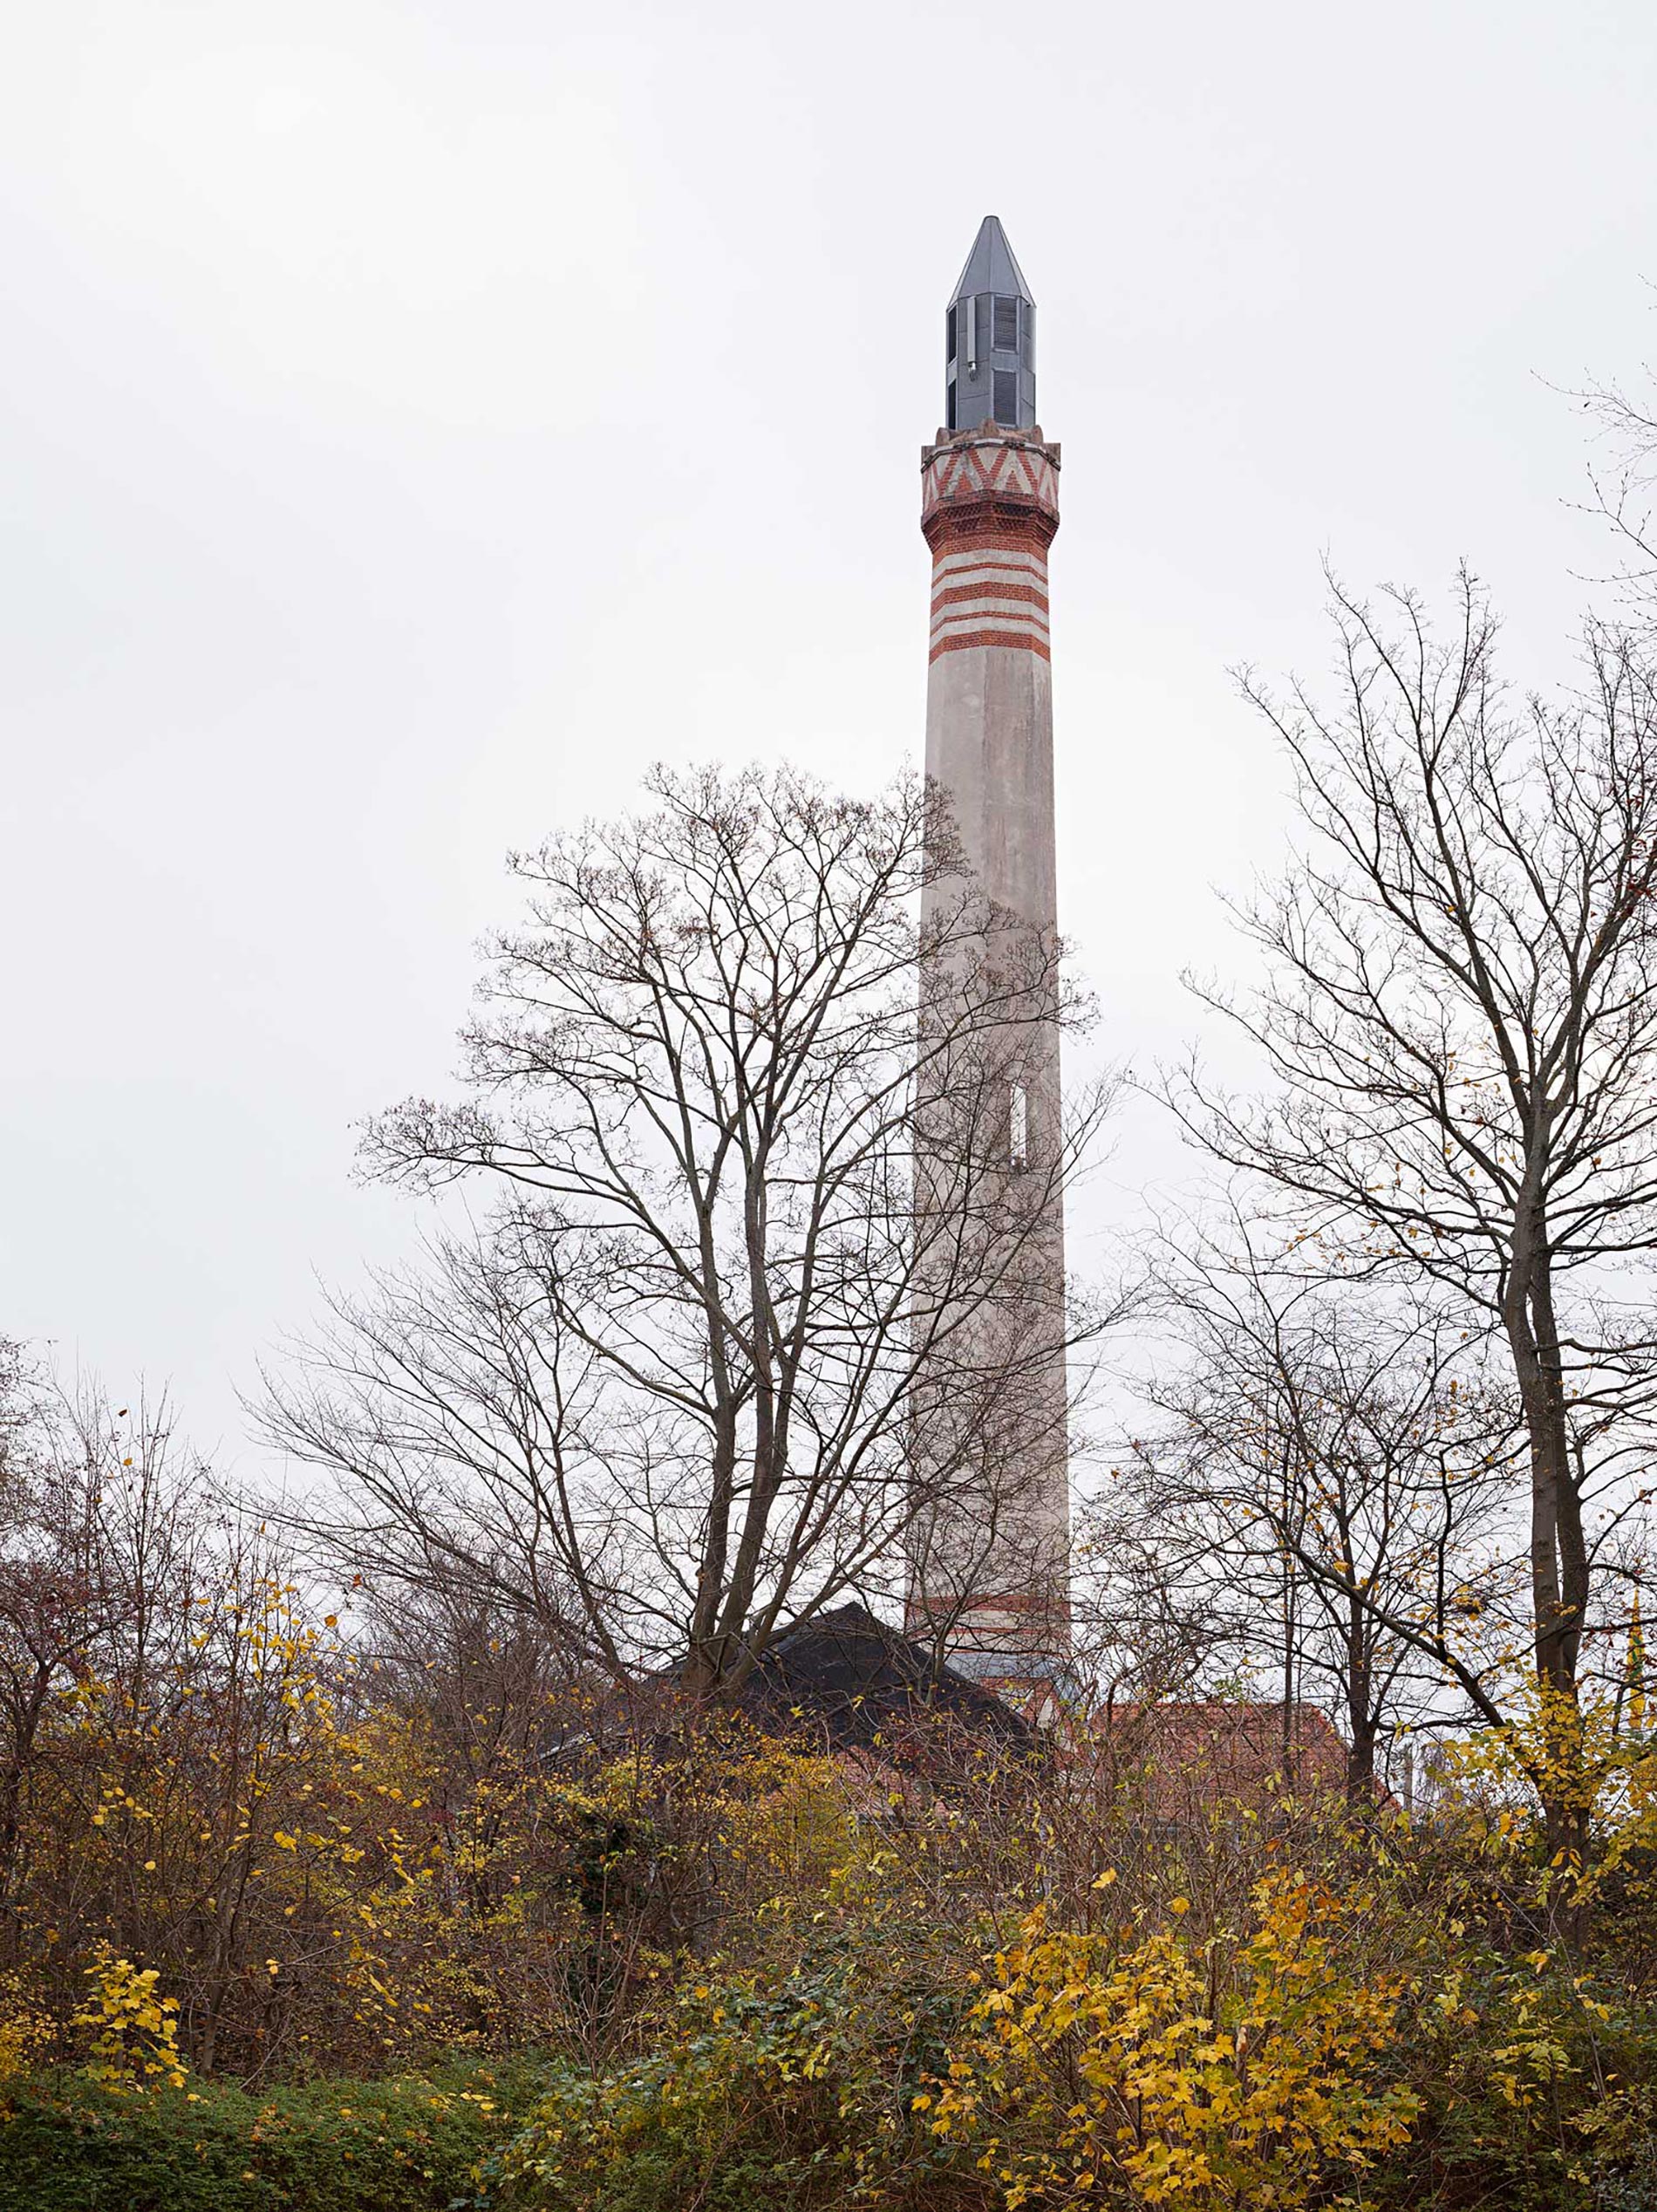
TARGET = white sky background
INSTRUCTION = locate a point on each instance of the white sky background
(418, 418)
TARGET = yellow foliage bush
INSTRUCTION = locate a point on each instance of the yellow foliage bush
(24, 2030)
(1240, 2072)
(1577, 1752)
(134, 2030)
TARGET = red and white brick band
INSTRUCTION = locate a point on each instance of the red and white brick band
(989, 508)
(990, 594)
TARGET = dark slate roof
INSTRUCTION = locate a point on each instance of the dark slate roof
(859, 1680)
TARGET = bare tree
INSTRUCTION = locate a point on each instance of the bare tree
(96, 1526)
(1623, 490)
(1460, 1013)
(673, 1393)
(1333, 1467)
(474, 1446)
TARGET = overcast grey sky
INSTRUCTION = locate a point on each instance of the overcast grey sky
(420, 417)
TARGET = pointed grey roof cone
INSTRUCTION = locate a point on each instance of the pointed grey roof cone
(991, 266)
(989, 340)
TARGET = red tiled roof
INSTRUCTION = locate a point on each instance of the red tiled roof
(1186, 1754)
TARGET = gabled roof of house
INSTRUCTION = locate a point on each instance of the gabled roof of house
(862, 1682)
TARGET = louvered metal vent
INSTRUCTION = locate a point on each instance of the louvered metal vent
(989, 340)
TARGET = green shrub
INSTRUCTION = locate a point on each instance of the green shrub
(71, 2145)
(795, 2097)
(1537, 2079)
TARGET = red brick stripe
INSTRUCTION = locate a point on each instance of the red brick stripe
(1024, 638)
(980, 586)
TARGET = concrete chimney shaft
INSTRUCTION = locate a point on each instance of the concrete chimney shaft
(991, 1567)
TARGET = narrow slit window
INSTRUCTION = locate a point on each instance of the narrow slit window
(1006, 397)
(1007, 325)
(949, 343)
(1019, 1129)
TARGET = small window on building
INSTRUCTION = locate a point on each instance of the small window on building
(1006, 397)
(1007, 325)
(1019, 1129)
(949, 405)
(949, 343)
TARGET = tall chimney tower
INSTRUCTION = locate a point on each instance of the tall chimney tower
(990, 1571)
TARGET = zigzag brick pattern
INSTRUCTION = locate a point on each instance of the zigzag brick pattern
(989, 508)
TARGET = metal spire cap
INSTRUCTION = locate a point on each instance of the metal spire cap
(990, 340)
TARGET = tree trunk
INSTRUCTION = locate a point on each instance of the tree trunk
(1559, 1553)
(1362, 1721)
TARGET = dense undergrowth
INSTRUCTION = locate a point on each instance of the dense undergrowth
(760, 1978)
(1322, 2014)
(287, 1924)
